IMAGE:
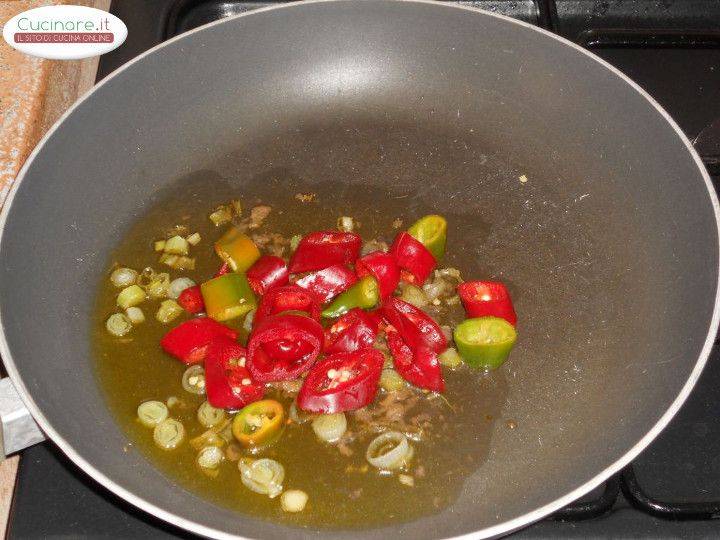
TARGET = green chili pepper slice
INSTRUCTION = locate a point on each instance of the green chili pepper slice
(364, 294)
(431, 231)
(228, 296)
(485, 342)
(259, 424)
(237, 250)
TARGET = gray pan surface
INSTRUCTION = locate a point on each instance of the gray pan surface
(610, 247)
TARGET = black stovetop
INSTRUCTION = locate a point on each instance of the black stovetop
(672, 49)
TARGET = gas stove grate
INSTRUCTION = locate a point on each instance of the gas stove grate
(591, 23)
(627, 483)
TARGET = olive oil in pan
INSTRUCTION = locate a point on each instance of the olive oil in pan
(344, 491)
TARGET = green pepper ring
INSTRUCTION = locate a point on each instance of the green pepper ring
(485, 342)
(228, 296)
(267, 433)
(431, 231)
(237, 250)
(364, 294)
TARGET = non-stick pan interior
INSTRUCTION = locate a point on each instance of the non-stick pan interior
(610, 247)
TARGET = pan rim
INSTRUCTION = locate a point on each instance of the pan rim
(505, 527)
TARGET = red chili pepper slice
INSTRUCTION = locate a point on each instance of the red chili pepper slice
(191, 300)
(327, 283)
(189, 341)
(413, 257)
(487, 298)
(376, 318)
(355, 330)
(287, 298)
(268, 272)
(415, 326)
(321, 249)
(281, 347)
(342, 382)
(228, 383)
(383, 267)
(419, 367)
(407, 277)
(224, 269)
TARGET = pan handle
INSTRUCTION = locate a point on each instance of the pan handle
(18, 429)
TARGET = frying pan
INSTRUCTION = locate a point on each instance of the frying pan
(610, 247)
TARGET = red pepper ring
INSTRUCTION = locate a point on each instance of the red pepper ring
(283, 346)
(191, 300)
(383, 267)
(321, 249)
(228, 383)
(189, 341)
(487, 299)
(419, 367)
(413, 257)
(342, 382)
(355, 330)
(268, 272)
(415, 326)
(287, 298)
(327, 283)
(224, 269)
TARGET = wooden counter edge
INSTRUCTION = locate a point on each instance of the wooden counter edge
(61, 84)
